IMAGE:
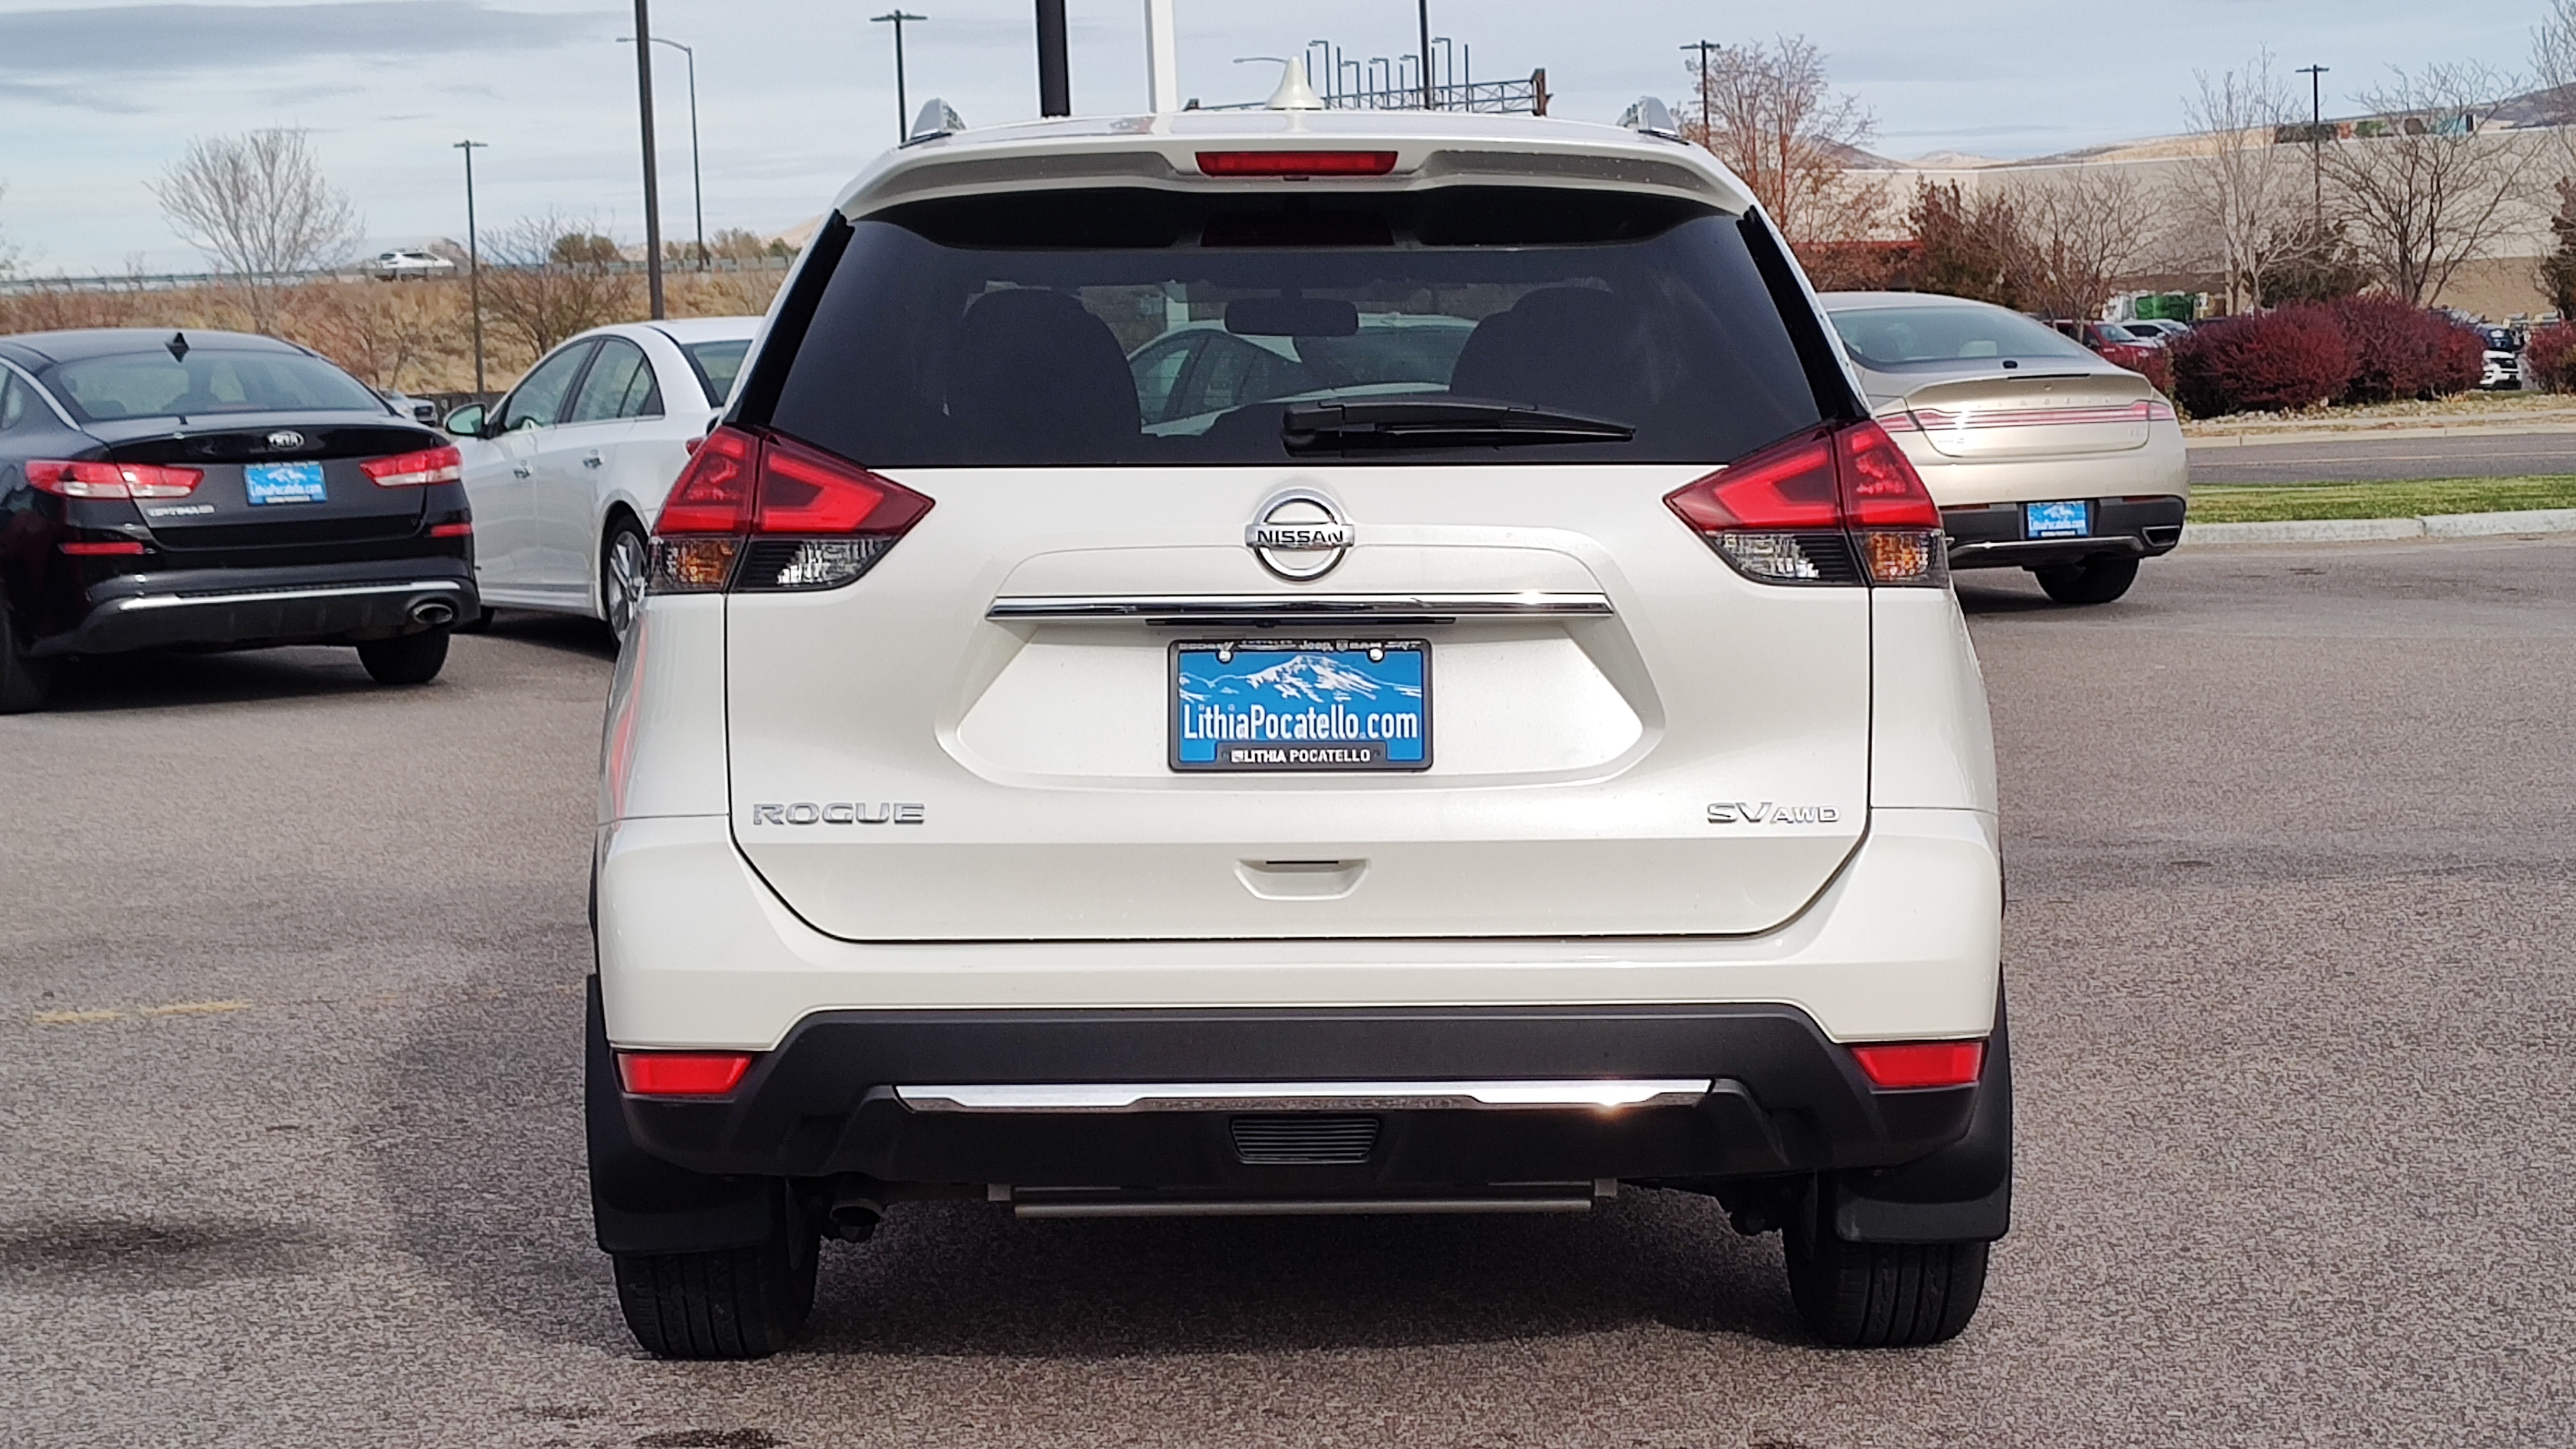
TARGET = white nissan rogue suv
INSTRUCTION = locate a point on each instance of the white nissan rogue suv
(1464, 778)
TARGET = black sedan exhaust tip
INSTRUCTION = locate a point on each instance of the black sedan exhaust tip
(433, 613)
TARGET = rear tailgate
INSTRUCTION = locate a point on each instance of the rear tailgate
(907, 766)
(2029, 417)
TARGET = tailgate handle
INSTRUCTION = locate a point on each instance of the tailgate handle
(1300, 880)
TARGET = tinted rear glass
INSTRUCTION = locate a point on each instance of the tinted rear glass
(206, 382)
(717, 364)
(1888, 338)
(1150, 328)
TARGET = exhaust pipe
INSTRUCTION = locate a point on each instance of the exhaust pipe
(433, 612)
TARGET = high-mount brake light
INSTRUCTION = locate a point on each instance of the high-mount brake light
(1836, 504)
(1911, 1064)
(112, 480)
(682, 1074)
(416, 470)
(756, 512)
(1296, 163)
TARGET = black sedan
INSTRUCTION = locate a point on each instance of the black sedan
(215, 490)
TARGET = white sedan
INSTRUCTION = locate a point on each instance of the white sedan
(568, 472)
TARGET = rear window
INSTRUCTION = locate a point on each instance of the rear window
(718, 363)
(1153, 328)
(206, 382)
(1892, 338)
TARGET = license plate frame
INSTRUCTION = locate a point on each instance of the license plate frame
(1314, 718)
(268, 485)
(2057, 518)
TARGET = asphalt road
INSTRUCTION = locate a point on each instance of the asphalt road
(289, 1013)
(2367, 459)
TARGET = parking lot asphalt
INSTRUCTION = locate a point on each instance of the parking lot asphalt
(2367, 459)
(289, 1013)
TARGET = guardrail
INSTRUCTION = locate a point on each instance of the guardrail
(168, 281)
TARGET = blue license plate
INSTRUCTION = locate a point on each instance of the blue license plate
(1277, 704)
(284, 483)
(2071, 519)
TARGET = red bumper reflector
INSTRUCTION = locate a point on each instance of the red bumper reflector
(451, 530)
(682, 1074)
(1922, 1063)
(1296, 163)
(94, 550)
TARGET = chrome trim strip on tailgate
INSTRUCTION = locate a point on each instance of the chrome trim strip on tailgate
(1302, 1096)
(1201, 607)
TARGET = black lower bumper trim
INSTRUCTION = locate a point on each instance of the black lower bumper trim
(270, 606)
(1785, 1100)
(1990, 535)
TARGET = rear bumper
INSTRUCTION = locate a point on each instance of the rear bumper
(1747, 1091)
(308, 603)
(1990, 535)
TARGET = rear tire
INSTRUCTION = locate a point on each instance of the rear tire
(1882, 1295)
(405, 658)
(2094, 581)
(622, 561)
(740, 1303)
(24, 682)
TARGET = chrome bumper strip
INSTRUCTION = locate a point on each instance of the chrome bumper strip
(1303, 1096)
(138, 602)
(1200, 608)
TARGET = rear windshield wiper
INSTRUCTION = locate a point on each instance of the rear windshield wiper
(1352, 427)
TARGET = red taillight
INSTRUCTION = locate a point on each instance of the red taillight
(713, 493)
(1880, 488)
(1921, 1063)
(416, 470)
(1837, 504)
(112, 480)
(451, 530)
(1296, 163)
(682, 1074)
(754, 511)
(120, 546)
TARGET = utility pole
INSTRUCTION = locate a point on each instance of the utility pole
(1162, 59)
(1422, 9)
(902, 97)
(474, 258)
(697, 177)
(2316, 138)
(1707, 132)
(1055, 75)
(652, 173)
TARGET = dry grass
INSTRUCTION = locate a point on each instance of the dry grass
(409, 336)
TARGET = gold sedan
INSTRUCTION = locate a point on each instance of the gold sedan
(2041, 454)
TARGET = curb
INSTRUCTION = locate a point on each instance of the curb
(2359, 530)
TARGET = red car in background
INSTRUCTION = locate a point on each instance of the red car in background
(2138, 354)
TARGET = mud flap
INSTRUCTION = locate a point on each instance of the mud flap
(1960, 1194)
(642, 1204)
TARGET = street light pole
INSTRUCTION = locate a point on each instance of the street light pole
(2316, 138)
(652, 174)
(474, 257)
(1707, 132)
(902, 97)
(697, 177)
(1422, 10)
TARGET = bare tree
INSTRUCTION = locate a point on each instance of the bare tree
(547, 277)
(2080, 233)
(258, 204)
(2553, 70)
(8, 251)
(2236, 198)
(1775, 119)
(2422, 187)
(383, 335)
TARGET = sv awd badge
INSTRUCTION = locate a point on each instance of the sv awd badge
(839, 812)
(1741, 812)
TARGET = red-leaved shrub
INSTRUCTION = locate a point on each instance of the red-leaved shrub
(2400, 350)
(2292, 358)
(2157, 367)
(2549, 358)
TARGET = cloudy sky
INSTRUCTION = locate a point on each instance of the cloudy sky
(96, 97)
